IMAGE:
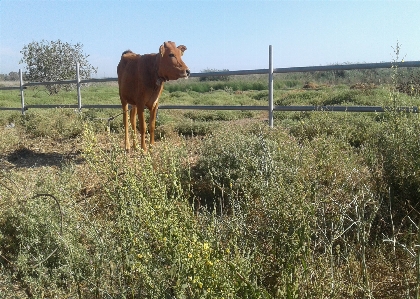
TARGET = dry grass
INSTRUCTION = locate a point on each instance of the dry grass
(9, 83)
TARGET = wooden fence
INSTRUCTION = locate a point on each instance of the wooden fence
(270, 108)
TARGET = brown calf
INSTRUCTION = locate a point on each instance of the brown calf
(140, 81)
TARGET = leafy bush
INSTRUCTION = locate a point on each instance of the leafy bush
(55, 61)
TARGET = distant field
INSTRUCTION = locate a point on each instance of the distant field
(183, 92)
(9, 83)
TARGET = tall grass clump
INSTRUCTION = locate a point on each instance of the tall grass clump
(251, 181)
(397, 146)
(299, 206)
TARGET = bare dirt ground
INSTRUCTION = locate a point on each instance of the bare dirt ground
(35, 152)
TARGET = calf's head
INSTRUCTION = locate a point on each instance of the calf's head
(171, 66)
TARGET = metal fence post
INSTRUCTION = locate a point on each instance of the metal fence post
(22, 98)
(79, 96)
(270, 87)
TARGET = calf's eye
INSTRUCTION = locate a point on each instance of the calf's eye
(172, 55)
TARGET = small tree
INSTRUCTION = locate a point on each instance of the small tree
(55, 61)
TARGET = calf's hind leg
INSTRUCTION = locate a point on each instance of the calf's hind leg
(133, 115)
(152, 123)
(142, 125)
(125, 121)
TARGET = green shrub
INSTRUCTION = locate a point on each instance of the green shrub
(54, 123)
(262, 95)
(194, 128)
(356, 130)
(282, 189)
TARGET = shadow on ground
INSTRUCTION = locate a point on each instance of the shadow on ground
(27, 158)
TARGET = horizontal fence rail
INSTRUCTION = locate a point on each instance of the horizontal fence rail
(270, 108)
(338, 67)
(413, 109)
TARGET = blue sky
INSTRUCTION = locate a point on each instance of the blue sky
(219, 34)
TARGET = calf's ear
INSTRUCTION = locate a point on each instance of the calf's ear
(182, 48)
(162, 50)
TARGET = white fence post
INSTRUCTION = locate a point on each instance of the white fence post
(270, 87)
(79, 96)
(22, 98)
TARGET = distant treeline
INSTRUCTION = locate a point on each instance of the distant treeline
(214, 78)
(12, 76)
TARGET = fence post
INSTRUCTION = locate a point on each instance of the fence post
(22, 98)
(270, 87)
(79, 96)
